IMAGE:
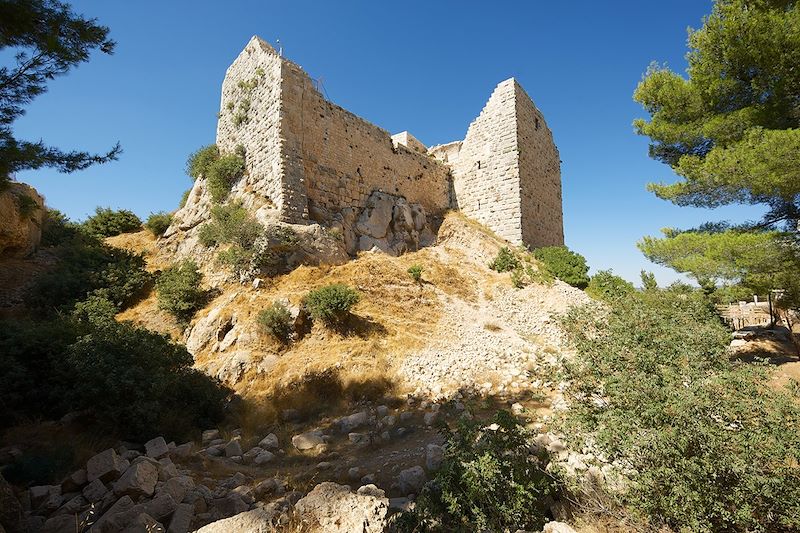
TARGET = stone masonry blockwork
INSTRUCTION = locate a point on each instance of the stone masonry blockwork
(310, 159)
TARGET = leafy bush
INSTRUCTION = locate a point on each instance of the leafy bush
(158, 223)
(136, 383)
(230, 224)
(200, 161)
(505, 261)
(606, 286)
(222, 174)
(87, 266)
(96, 309)
(415, 271)
(566, 265)
(276, 320)
(133, 379)
(488, 482)
(106, 222)
(331, 304)
(179, 292)
(654, 388)
(56, 228)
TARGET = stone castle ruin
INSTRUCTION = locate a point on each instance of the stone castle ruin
(309, 160)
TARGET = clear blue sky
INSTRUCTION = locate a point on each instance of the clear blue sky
(426, 67)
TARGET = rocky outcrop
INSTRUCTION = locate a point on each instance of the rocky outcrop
(388, 222)
(21, 217)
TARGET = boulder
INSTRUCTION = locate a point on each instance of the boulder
(94, 491)
(258, 520)
(233, 448)
(161, 507)
(106, 522)
(138, 480)
(230, 505)
(178, 487)
(181, 519)
(267, 487)
(209, 435)
(411, 480)
(74, 482)
(156, 448)
(337, 510)
(376, 216)
(307, 440)
(270, 442)
(557, 527)
(105, 466)
(264, 457)
(166, 469)
(349, 423)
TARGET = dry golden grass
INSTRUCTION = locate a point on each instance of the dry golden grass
(394, 317)
(140, 242)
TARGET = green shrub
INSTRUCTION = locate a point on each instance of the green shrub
(222, 174)
(134, 380)
(106, 222)
(331, 304)
(649, 282)
(488, 481)
(136, 383)
(505, 261)
(87, 266)
(200, 161)
(605, 286)
(230, 224)
(56, 228)
(179, 292)
(96, 309)
(158, 223)
(276, 320)
(415, 271)
(566, 265)
(700, 433)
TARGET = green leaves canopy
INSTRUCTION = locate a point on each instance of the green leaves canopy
(48, 40)
(730, 131)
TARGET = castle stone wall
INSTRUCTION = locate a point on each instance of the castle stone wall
(486, 175)
(311, 159)
(249, 116)
(337, 159)
(540, 182)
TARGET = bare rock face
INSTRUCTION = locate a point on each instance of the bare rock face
(389, 223)
(21, 217)
(334, 508)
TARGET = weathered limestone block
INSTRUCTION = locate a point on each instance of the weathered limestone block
(105, 466)
(138, 480)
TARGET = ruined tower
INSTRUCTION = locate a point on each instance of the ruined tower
(311, 159)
